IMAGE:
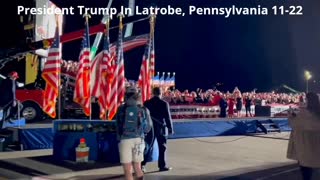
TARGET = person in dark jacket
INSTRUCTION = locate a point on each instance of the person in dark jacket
(8, 101)
(223, 107)
(162, 123)
(248, 103)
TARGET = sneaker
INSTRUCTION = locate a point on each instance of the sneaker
(143, 168)
(165, 169)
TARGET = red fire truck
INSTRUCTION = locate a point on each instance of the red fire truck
(31, 95)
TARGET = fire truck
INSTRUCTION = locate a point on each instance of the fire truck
(33, 34)
(31, 95)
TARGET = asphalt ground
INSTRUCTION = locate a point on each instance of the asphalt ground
(261, 157)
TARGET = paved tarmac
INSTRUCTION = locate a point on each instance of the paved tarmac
(225, 158)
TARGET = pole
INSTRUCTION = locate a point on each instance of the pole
(59, 96)
(106, 116)
(129, 27)
(307, 86)
(98, 38)
(87, 16)
(59, 75)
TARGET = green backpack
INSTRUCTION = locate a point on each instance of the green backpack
(133, 122)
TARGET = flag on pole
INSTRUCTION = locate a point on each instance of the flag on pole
(156, 80)
(161, 80)
(145, 77)
(167, 81)
(50, 74)
(82, 93)
(118, 83)
(103, 76)
(173, 80)
(120, 66)
(152, 58)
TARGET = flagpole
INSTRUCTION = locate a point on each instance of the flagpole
(174, 80)
(59, 94)
(106, 116)
(152, 24)
(99, 35)
(87, 16)
(121, 29)
(59, 74)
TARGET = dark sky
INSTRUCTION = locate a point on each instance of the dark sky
(250, 52)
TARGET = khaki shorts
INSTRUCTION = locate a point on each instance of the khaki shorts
(131, 150)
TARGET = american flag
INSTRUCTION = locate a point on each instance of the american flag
(167, 81)
(173, 80)
(128, 44)
(103, 75)
(161, 80)
(118, 83)
(50, 74)
(145, 76)
(82, 93)
(156, 80)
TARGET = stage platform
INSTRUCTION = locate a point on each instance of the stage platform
(41, 136)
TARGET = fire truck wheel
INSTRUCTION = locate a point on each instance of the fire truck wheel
(31, 112)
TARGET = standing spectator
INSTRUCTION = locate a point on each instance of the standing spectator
(239, 105)
(231, 103)
(223, 107)
(304, 140)
(133, 121)
(162, 123)
(248, 103)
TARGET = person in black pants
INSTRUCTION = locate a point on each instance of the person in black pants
(162, 123)
(248, 102)
(223, 107)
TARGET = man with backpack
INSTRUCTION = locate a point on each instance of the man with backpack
(133, 122)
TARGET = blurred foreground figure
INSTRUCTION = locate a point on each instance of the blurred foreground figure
(304, 143)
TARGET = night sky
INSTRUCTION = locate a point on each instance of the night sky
(250, 52)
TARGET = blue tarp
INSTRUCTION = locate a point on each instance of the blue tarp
(16, 123)
(43, 138)
(212, 128)
(36, 138)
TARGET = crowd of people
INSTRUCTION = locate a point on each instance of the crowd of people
(213, 97)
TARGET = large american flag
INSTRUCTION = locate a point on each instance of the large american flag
(118, 83)
(145, 77)
(103, 75)
(82, 93)
(50, 74)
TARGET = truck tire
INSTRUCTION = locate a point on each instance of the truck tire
(31, 112)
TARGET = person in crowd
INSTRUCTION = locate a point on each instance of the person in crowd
(8, 101)
(238, 100)
(304, 139)
(223, 107)
(248, 103)
(239, 104)
(217, 97)
(231, 103)
(162, 123)
(133, 122)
